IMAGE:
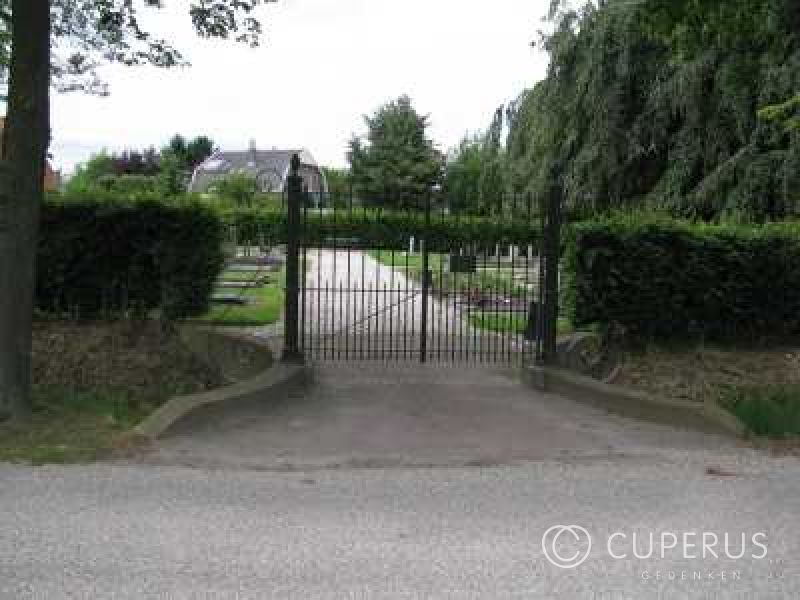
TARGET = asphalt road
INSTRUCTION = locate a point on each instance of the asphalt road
(133, 531)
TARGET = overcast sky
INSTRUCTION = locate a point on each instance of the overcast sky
(322, 66)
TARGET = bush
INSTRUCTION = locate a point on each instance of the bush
(664, 279)
(375, 228)
(99, 259)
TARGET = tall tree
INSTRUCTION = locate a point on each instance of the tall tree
(399, 164)
(656, 103)
(339, 185)
(476, 175)
(22, 168)
(199, 149)
(179, 159)
(31, 32)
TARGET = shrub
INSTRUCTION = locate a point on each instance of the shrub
(664, 279)
(99, 259)
(376, 228)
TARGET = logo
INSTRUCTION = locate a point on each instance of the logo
(566, 546)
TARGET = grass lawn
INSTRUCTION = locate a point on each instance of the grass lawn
(266, 302)
(69, 427)
(770, 411)
(484, 279)
(399, 260)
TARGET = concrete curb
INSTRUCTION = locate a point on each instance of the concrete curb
(707, 417)
(180, 406)
(270, 378)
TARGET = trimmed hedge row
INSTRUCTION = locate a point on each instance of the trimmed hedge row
(671, 280)
(383, 229)
(104, 259)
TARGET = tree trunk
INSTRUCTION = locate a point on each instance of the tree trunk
(22, 169)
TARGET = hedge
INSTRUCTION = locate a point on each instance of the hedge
(104, 259)
(674, 280)
(373, 228)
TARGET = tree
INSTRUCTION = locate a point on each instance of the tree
(339, 185)
(477, 178)
(133, 162)
(190, 152)
(398, 165)
(238, 188)
(36, 41)
(87, 175)
(656, 104)
(199, 149)
(22, 168)
(179, 159)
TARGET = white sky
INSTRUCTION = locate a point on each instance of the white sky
(323, 64)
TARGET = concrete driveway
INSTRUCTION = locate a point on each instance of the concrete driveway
(369, 414)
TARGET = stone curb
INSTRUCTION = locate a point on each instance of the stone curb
(261, 385)
(707, 417)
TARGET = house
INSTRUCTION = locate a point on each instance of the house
(52, 179)
(270, 168)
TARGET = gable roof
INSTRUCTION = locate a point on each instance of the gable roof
(269, 167)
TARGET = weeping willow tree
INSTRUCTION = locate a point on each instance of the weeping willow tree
(685, 105)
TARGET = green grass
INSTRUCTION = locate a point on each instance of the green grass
(510, 323)
(399, 260)
(71, 427)
(265, 308)
(770, 411)
(491, 279)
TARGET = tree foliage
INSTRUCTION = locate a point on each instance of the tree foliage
(476, 177)
(657, 103)
(61, 41)
(190, 152)
(238, 188)
(398, 164)
(87, 33)
(133, 174)
(340, 185)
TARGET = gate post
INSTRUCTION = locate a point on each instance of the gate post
(294, 196)
(552, 258)
(426, 282)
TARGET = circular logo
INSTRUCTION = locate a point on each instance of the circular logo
(566, 546)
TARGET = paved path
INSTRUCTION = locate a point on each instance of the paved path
(361, 414)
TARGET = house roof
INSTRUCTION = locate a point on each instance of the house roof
(270, 167)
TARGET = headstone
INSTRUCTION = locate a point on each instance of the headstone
(463, 263)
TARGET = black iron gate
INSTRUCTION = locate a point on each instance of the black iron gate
(421, 281)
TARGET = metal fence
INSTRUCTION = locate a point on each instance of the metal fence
(371, 280)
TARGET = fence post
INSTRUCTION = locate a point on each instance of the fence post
(294, 197)
(552, 252)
